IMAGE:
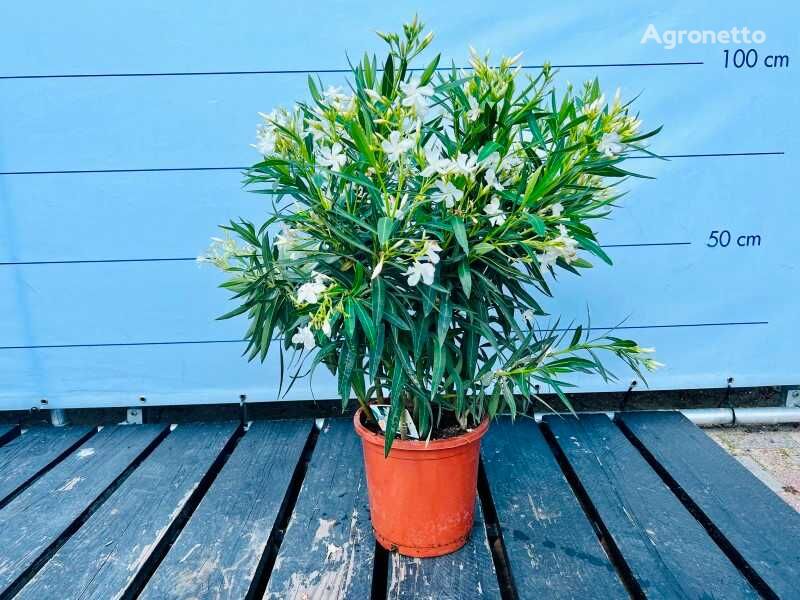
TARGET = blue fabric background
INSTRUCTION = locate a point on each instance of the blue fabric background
(105, 333)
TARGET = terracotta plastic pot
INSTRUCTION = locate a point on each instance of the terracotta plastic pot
(422, 497)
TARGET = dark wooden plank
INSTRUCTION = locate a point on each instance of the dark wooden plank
(552, 549)
(762, 529)
(217, 554)
(467, 573)
(8, 432)
(669, 553)
(102, 558)
(33, 450)
(328, 549)
(36, 518)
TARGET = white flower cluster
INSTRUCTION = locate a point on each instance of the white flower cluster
(311, 292)
(617, 124)
(424, 267)
(221, 251)
(562, 246)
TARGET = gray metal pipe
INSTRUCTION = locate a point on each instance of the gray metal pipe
(768, 415)
(709, 417)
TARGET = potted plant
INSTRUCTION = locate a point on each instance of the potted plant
(417, 217)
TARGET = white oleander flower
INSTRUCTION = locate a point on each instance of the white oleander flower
(474, 109)
(320, 128)
(377, 270)
(326, 328)
(493, 211)
(435, 163)
(287, 241)
(416, 96)
(610, 144)
(492, 161)
(465, 164)
(304, 336)
(278, 116)
(410, 126)
(432, 250)
(265, 139)
(309, 292)
(333, 157)
(617, 99)
(568, 248)
(594, 107)
(418, 270)
(556, 209)
(221, 251)
(337, 99)
(376, 96)
(402, 206)
(491, 179)
(448, 193)
(396, 145)
(651, 364)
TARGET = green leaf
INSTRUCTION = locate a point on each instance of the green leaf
(367, 324)
(510, 400)
(236, 311)
(350, 319)
(439, 363)
(494, 402)
(537, 133)
(445, 318)
(576, 337)
(592, 247)
(387, 84)
(537, 223)
(429, 70)
(482, 248)
(360, 139)
(378, 300)
(460, 233)
(385, 226)
(465, 276)
(487, 150)
(396, 410)
(347, 362)
(312, 87)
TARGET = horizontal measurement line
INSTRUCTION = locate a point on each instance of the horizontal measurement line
(643, 244)
(187, 342)
(96, 260)
(145, 170)
(169, 169)
(194, 258)
(326, 71)
(119, 344)
(668, 326)
(715, 154)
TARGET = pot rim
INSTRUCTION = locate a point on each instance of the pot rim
(420, 445)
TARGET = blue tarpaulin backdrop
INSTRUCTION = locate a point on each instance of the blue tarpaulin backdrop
(124, 126)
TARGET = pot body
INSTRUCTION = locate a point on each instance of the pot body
(422, 496)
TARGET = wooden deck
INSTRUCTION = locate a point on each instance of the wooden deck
(645, 506)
